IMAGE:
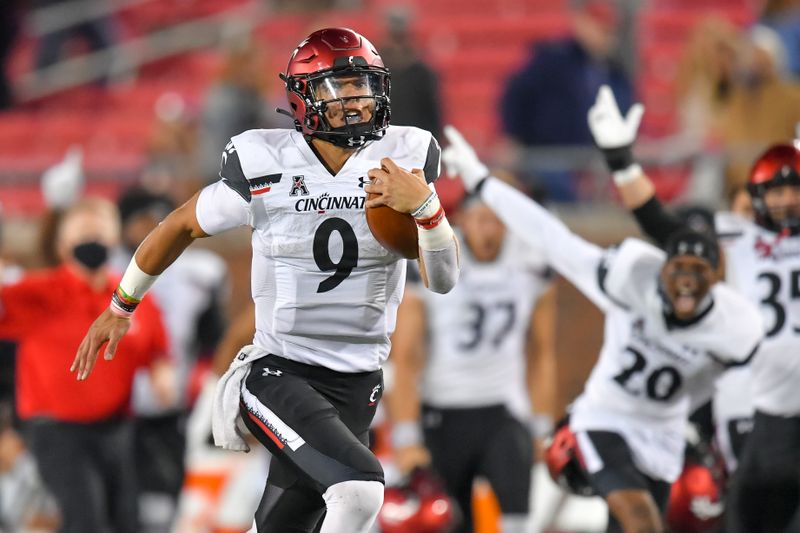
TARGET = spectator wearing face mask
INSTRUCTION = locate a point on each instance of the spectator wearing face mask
(79, 431)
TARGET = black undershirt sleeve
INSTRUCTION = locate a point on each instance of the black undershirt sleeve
(657, 222)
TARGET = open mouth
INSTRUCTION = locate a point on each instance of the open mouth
(352, 116)
(685, 301)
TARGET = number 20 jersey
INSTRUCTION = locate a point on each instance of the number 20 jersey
(326, 292)
(765, 268)
(653, 369)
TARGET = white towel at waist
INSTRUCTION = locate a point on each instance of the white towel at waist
(225, 411)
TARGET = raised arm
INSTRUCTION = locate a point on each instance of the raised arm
(615, 135)
(571, 256)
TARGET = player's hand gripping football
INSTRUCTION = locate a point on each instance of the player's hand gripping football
(461, 160)
(609, 128)
(108, 327)
(396, 187)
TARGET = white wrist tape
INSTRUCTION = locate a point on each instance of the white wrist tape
(406, 434)
(627, 175)
(135, 283)
(439, 238)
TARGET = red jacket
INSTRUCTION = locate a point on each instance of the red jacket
(47, 314)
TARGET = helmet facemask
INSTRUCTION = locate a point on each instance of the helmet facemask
(773, 213)
(347, 105)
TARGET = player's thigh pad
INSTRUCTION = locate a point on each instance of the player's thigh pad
(304, 428)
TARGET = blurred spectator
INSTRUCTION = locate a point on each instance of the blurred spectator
(97, 31)
(763, 107)
(415, 87)
(783, 16)
(9, 26)
(79, 432)
(171, 166)
(191, 294)
(705, 78)
(8, 274)
(235, 103)
(546, 102)
(733, 95)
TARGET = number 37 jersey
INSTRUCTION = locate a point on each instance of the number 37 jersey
(326, 292)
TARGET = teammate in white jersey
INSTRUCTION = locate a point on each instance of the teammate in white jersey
(670, 330)
(763, 263)
(483, 340)
(326, 292)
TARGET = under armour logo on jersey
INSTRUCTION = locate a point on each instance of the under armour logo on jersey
(362, 181)
(269, 372)
(298, 186)
(263, 184)
(373, 398)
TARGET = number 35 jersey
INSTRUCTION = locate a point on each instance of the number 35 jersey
(765, 268)
(326, 292)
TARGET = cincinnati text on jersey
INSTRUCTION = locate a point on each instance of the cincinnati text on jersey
(638, 334)
(326, 202)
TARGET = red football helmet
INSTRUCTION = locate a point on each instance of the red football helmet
(696, 504)
(564, 462)
(779, 165)
(338, 88)
(422, 506)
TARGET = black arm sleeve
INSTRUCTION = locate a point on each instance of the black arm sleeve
(657, 222)
(432, 161)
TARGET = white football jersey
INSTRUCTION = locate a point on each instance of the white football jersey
(477, 332)
(766, 270)
(652, 369)
(326, 292)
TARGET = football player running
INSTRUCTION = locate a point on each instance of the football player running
(483, 340)
(763, 263)
(326, 293)
(671, 328)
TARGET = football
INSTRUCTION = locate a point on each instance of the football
(395, 231)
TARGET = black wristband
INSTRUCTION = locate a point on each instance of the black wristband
(619, 158)
(479, 186)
